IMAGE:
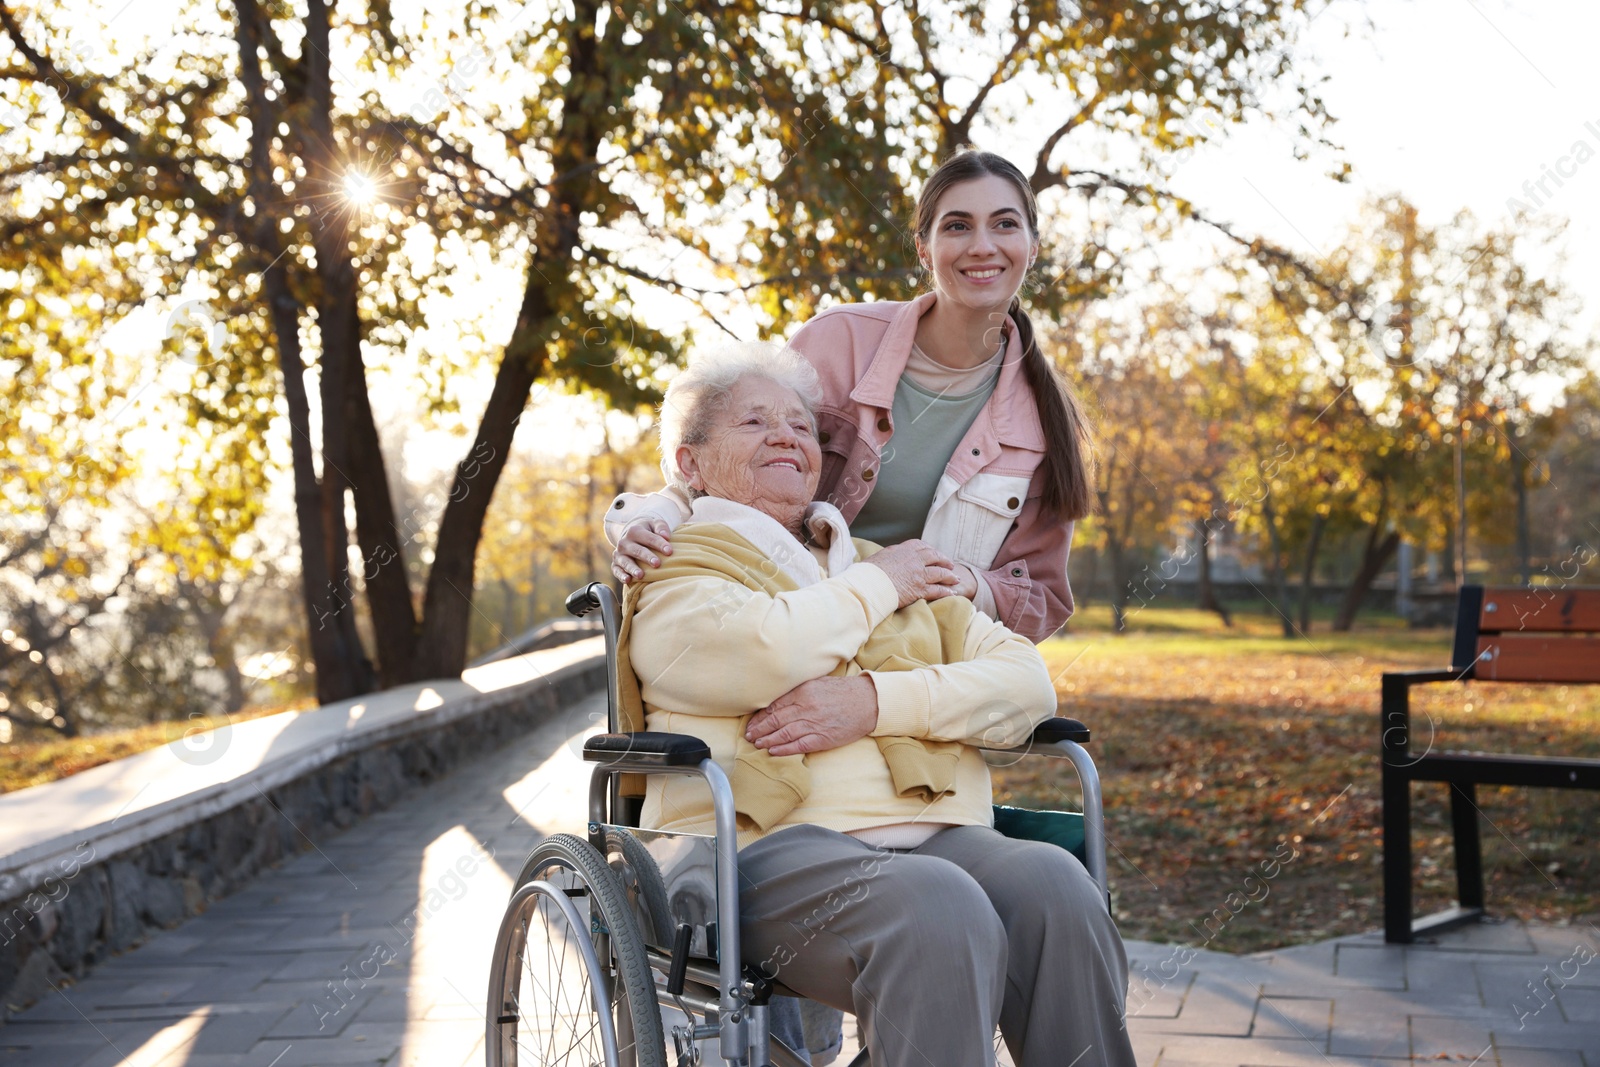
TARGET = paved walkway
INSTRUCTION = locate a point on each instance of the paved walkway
(399, 915)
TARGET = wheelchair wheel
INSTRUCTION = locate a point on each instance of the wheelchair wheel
(570, 984)
(641, 877)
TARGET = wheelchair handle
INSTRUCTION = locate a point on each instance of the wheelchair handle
(582, 601)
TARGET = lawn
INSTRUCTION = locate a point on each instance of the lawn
(1229, 753)
(33, 762)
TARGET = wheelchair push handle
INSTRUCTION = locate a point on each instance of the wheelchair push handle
(582, 601)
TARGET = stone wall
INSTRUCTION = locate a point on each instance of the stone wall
(97, 905)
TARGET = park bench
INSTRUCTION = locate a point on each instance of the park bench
(1503, 634)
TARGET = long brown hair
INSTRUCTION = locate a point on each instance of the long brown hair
(1068, 467)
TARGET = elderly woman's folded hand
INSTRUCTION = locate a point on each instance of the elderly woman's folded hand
(918, 570)
(815, 716)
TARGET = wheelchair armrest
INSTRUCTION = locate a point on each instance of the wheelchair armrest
(646, 749)
(1060, 729)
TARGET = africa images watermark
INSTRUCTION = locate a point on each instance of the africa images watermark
(1538, 191)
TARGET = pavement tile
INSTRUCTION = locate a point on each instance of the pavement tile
(1548, 1031)
(1512, 1056)
(1309, 976)
(1373, 1025)
(1233, 1051)
(1559, 942)
(1579, 1005)
(330, 1052)
(173, 944)
(1444, 983)
(325, 965)
(1151, 997)
(1210, 1007)
(1435, 1037)
(1306, 1018)
(389, 1007)
(1374, 966)
(1522, 984)
(326, 1016)
(227, 1034)
(1490, 935)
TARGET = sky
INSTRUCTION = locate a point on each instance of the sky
(1453, 104)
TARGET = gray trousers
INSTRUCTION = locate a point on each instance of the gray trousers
(934, 947)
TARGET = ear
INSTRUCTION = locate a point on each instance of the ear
(689, 467)
(922, 255)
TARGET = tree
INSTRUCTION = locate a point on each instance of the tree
(289, 161)
(1448, 340)
(1130, 377)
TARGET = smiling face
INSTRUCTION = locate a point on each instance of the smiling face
(979, 244)
(760, 451)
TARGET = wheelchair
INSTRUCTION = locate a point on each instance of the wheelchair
(616, 945)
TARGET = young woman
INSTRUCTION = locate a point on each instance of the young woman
(941, 419)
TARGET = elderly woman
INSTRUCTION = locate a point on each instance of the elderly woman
(872, 879)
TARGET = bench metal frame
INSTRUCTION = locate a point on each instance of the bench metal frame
(1486, 627)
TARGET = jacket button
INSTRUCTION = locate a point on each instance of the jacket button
(867, 474)
(618, 505)
(977, 452)
(822, 438)
(1013, 502)
(883, 424)
(1016, 572)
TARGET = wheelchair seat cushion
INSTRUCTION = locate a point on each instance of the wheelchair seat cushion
(1063, 829)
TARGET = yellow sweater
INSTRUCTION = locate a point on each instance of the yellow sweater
(708, 650)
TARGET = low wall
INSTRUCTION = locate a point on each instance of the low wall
(93, 864)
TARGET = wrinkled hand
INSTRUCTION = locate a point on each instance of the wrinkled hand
(815, 716)
(966, 582)
(643, 542)
(918, 570)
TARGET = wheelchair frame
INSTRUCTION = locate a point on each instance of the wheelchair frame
(740, 994)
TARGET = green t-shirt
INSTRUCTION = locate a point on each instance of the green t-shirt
(927, 428)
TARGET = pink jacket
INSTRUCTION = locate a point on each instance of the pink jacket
(986, 509)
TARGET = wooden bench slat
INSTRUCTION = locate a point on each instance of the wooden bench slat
(1531, 658)
(1540, 610)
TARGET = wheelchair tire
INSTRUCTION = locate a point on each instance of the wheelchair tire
(546, 973)
(641, 877)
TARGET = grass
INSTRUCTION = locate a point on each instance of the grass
(33, 762)
(1226, 754)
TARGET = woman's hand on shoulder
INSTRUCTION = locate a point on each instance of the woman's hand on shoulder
(918, 570)
(645, 542)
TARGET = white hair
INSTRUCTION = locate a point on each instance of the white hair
(697, 395)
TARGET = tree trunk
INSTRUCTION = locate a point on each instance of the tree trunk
(1461, 502)
(338, 322)
(337, 657)
(1119, 586)
(1308, 574)
(1379, 550)
(447, 601)
(1206, 593)
(1519, 468)
(441, 649)
(1280, 577)
(388, 587)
